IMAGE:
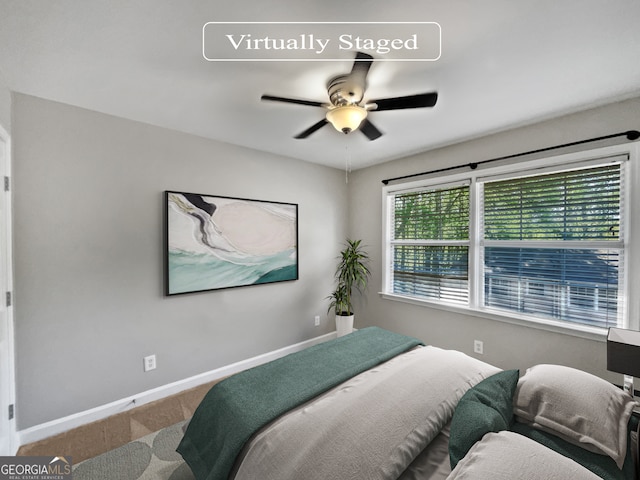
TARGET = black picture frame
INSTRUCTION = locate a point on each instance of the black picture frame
(214, 242)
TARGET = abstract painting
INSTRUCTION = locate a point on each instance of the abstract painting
(215, 242)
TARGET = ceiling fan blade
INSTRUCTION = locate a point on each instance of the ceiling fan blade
(312, 128)
(310, 103)
(361, 66)
(411, 101)
(370, 130)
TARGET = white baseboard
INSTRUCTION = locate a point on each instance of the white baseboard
(54, 427)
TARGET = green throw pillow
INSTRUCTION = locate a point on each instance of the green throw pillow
(487, 407)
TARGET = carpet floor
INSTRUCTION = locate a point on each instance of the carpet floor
(152, 457)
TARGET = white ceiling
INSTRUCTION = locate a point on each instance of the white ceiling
(504, 63)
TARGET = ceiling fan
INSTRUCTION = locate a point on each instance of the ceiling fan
(347, 111)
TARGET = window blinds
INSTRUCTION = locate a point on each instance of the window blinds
(578, 205)
(542, 241)
(553, 245)
(430, 244)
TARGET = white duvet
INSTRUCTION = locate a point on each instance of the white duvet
(371, 427)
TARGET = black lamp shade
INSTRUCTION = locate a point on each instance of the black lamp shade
(623, 351)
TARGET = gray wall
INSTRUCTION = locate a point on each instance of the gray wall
(88, 226)
(505, 345)
(5, 106)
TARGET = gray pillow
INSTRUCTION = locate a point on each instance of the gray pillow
(508, 456)
(576, 406)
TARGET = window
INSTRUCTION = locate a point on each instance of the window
(543, 243)
(430, 243)
(549, 236)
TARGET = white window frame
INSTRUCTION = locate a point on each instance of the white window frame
(429, 242)
(631, 235)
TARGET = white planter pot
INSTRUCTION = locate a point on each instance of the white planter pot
(344, 324)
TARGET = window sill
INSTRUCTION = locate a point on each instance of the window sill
(576, 330)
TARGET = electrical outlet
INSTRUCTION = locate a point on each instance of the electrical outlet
(478, 347)
(149, 363)
(317, 321)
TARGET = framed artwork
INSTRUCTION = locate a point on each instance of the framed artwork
(214, 242)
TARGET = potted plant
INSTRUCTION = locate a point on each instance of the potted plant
(352, 272)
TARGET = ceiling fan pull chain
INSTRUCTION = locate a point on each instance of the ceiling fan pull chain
(347, 164)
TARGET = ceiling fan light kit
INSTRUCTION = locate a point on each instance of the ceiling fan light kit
(346, 118)
(348, 111)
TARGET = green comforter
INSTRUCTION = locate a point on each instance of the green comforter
(240, 405)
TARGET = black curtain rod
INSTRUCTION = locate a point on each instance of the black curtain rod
(631, 135)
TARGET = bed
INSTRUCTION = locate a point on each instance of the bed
(372, 405)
